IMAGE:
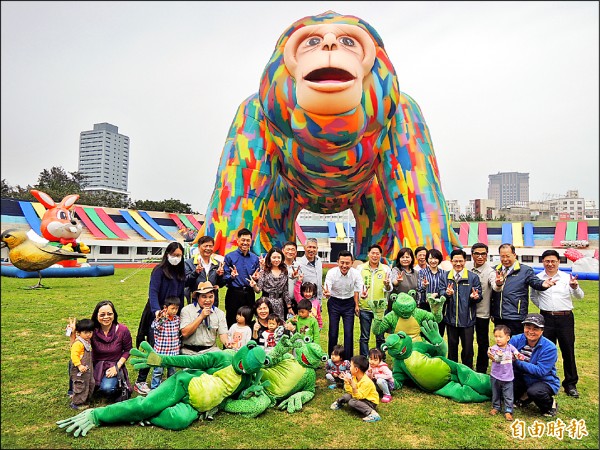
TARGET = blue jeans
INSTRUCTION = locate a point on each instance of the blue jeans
(366, 319)
(502, 390)
(108, 386)
(157, 376)
(384, 386)
(341, 309)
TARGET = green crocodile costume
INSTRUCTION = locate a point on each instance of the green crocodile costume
(179, 400)
(425, 364)
(405, 316)
(288, 378)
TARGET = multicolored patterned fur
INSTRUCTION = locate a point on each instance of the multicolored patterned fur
(376, 159)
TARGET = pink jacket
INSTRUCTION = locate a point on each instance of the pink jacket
(381, 371)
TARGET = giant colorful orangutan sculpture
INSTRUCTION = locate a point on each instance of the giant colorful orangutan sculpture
(329, 130)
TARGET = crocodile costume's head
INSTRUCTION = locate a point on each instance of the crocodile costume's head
(311, 354)
(249, 359)
(404, 304)
(399, 345)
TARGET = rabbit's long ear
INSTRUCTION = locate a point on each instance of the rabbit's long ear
(44, 198)
(69, 200)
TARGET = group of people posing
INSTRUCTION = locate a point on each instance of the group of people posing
(292, 291)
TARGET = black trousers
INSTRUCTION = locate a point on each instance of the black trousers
(562, 328)
(465, 335)
(235, 298)
(540, 392)
(516, 327)
(482, 331)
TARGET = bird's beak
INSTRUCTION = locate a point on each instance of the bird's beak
(3, 244)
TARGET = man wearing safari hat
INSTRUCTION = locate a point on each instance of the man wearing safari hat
(202, 321)
(535, 377)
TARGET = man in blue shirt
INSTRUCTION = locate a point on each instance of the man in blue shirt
(535, 377)
(240, 265)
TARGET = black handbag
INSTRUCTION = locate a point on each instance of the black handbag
(122, 391)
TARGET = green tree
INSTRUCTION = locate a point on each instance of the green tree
(57, 183)
(17, 192)
(170, 205)
(105, 199)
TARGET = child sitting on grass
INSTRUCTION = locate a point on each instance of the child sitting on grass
(82, 370)
(361, 393)
(381, 374)
(305, 323)
(336, 367)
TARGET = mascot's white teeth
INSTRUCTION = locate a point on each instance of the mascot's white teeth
(329, 75)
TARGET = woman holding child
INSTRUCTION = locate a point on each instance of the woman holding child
(111, 343)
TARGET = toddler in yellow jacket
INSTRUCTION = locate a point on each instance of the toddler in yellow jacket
(361, 393)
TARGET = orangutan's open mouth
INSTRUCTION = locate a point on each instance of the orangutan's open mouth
(329, 75)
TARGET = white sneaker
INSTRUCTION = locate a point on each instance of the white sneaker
(141, 388)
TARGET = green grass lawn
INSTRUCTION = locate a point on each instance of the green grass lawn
(35, 353)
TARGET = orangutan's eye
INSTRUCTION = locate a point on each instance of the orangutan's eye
(348, 42)
(313, 41)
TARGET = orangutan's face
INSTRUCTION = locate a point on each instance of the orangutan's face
(329, 63)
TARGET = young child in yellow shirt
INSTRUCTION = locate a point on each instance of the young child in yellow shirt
(361, 393)
(82, 370)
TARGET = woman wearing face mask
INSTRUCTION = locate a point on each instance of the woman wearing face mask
(167, 279)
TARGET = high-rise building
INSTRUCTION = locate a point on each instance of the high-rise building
(104, 159)
(509, 189)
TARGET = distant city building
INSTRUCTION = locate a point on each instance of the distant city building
(453, 209)
(571, 206)
(343, 216)
(540, 210)
(509, 189)
(104, 159)
(591, 210)
(483, 207)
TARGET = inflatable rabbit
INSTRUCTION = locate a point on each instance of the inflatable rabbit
(59, 224)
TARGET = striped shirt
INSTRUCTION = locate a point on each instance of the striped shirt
(166, 336)
(434, 283)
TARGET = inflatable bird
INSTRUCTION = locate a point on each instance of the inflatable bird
(30, 256)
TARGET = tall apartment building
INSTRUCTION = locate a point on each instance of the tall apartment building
(104, 159)
(509, 189)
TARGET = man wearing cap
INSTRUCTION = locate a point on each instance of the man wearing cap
(510, 296)
(535, 377)
(556, 305)
(201, 322)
